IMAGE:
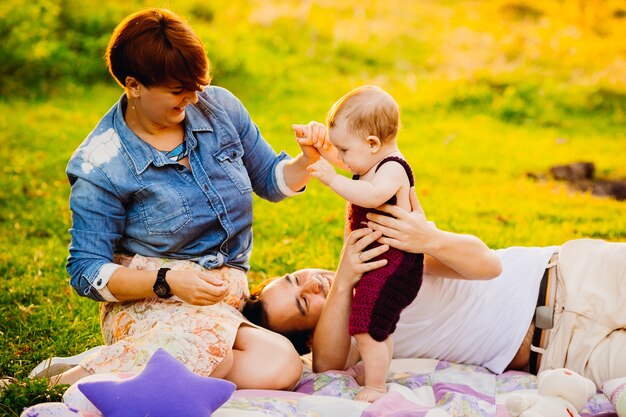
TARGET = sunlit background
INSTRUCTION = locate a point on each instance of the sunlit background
(493, 94)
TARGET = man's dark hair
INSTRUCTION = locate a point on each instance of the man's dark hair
(254, 311)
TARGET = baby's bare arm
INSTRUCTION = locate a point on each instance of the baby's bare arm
(385, 183)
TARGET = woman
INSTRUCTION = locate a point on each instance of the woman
(580, 321)
(161, 205)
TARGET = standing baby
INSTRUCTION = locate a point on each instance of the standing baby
(362, 128)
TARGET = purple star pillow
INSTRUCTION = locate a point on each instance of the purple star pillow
(165, 388)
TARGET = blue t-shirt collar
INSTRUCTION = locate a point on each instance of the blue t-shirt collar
(140, 153)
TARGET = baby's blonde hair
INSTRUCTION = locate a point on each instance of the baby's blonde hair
(367, 110)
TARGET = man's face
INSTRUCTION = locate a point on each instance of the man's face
(295, 301)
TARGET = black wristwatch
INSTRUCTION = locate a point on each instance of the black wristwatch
(161, 288)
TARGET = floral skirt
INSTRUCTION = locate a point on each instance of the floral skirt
(198, 336)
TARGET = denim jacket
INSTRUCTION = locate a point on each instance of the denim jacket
(127, 197)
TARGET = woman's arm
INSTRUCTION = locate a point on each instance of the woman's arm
(332, 347)
(98, 218)
(447, 254)
(260, 160)
(191, 286)
(296, 174)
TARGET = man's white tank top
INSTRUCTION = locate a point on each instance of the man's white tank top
(474, 322)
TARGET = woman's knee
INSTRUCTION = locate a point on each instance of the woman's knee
(224, 367)
(286, 366)
(264, 360)
(277, 364)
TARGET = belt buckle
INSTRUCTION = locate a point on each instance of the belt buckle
(544, 317)
(544, 314)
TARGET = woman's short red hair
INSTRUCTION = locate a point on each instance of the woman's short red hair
(157, 47)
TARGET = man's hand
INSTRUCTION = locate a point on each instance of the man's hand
(409, 232)
(355, 260)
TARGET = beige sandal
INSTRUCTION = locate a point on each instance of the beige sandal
(5, 381)
(57, 365)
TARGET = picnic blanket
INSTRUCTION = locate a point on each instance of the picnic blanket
(417, 388)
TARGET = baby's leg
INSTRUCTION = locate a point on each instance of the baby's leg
(376, 358)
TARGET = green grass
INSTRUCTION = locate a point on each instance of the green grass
(472, 128)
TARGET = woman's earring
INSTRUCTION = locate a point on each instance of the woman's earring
(136, 95)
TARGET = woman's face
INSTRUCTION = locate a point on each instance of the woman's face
(294, 302)
(164, 105)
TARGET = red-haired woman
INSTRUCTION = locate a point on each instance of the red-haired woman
(161, 201)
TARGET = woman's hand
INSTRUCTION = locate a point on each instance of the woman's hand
(355, 260)
(312, 134)
(200, 288)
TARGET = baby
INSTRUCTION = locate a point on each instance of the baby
(362, 128)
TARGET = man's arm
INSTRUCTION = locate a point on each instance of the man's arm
(447, 254)
(332, 347)
(453, 255)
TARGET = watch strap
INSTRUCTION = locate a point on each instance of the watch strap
(161, 282)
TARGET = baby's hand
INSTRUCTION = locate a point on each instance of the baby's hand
(312, 134)
(323, 171)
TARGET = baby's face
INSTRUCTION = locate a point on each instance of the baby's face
(352, 149)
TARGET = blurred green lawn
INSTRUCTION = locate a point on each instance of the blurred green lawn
(489, 92)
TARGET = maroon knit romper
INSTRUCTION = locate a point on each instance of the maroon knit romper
(383, 293)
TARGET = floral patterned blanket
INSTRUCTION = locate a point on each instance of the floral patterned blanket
(417, 388)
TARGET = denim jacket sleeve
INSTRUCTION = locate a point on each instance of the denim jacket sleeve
(261, 162)
(98, 218)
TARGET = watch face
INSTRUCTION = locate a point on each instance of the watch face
(160, 290)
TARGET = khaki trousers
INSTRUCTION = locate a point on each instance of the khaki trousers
(589, 333)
